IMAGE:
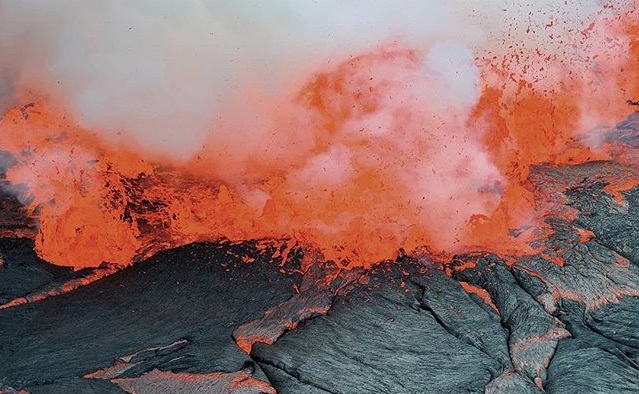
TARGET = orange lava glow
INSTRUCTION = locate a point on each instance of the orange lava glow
(353, 187)
(481, 293)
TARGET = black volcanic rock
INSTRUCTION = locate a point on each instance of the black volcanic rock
(286, 383)
(579, 367)
(462, 317)
(382, 337)
(23, 272)
(199, 292)
(404, 327)
(533, 333)
(615, 223)
(76, 385)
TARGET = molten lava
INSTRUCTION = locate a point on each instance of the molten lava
(365, 158)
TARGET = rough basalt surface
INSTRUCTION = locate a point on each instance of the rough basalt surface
(199, 293)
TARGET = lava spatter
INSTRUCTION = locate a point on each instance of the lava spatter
(396, 146)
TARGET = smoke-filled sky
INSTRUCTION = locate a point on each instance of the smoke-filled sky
(364, 100)
(163, 71)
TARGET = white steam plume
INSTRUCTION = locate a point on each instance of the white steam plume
(157, 71)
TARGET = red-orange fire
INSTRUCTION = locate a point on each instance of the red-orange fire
(384, 167)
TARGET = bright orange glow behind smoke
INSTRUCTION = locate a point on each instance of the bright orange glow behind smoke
(376, 147)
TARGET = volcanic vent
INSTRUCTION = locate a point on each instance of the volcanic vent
(391, 197)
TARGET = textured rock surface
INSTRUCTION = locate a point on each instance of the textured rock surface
(382, 338)
(199, 293)
(22, 272)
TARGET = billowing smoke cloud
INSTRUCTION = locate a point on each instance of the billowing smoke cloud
(161, 71)
(339, 100)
